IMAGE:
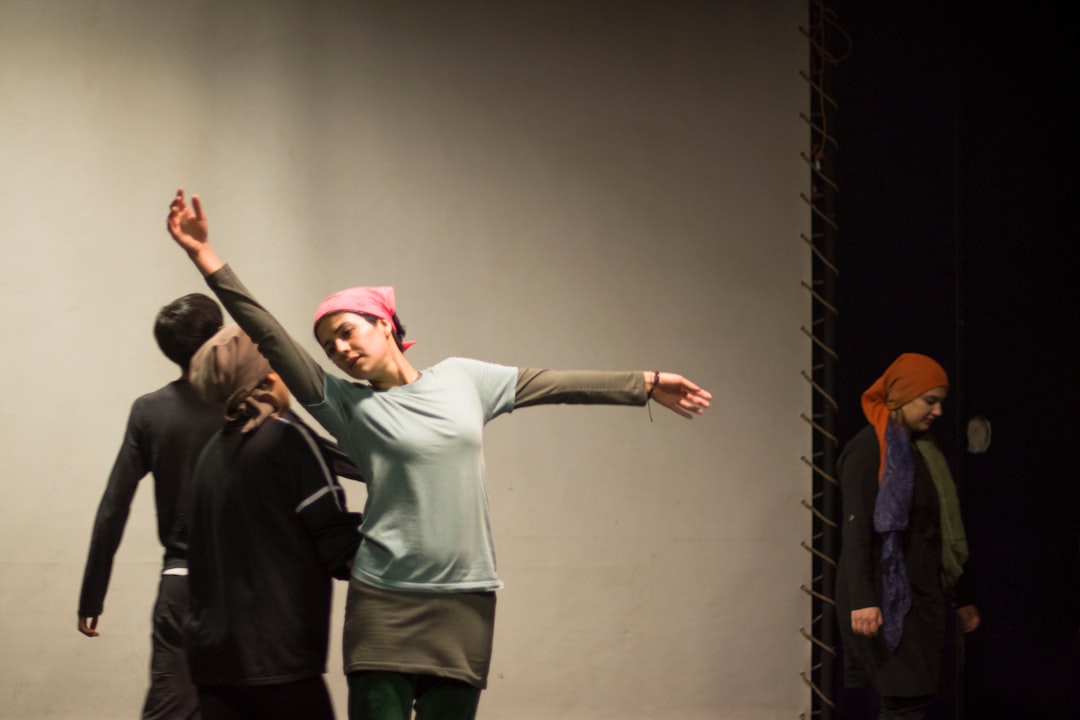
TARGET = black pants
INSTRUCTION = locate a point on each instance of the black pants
(301, 700)
(171, 695)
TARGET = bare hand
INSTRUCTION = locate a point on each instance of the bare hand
(866, 621)
(189, 228)
(969, 617)
(88, 626)
(188, 225)
(678, 394)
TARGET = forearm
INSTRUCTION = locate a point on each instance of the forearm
(108, 530)
(110, 519)
(858, 561)
(858, 488)
(337, 543)
(297, 368)
(206, 260)
(95, 584)
(859, 571)
(337, 462)
(579, 387)
(334, 530)
(962, 591)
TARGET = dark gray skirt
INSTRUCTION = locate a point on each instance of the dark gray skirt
(443, 634)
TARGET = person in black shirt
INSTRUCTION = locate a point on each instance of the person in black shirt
(269, 529)
(166, 430)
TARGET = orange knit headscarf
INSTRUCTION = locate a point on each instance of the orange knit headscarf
(907, 378)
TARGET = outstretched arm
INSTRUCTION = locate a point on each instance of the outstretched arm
(302, 375)
(588, 387)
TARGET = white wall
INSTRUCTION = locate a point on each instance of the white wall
(553, 184)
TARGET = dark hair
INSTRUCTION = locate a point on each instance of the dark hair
(182, 326)
(397, 329)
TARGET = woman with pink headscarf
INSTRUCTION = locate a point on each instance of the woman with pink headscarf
(903, 542)
(421, 605)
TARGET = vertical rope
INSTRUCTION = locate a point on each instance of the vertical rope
(821, 678)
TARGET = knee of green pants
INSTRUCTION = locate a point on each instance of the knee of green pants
(380, 696)
(448, 700)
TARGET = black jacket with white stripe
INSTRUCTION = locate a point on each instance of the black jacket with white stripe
(269, 528)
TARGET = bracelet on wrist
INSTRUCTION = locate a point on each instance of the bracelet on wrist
(652, 386)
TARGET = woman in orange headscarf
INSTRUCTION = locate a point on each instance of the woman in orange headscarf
(903, 541)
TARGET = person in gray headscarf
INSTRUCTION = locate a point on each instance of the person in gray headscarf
(269, 528)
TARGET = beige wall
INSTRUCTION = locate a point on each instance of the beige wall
(564, 184)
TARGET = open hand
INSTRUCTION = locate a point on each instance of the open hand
(187, 224)
(188, 227)
(679, 394)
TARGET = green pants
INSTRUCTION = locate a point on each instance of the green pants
(392, 696)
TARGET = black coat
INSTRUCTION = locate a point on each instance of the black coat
(915, 667)
(269, 528)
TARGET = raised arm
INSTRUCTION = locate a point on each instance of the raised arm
(587, 387)
(302, 375)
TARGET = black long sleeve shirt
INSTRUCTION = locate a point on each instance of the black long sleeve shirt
(165, 433)
(269, 529)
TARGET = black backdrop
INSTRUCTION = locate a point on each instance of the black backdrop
(954, 164)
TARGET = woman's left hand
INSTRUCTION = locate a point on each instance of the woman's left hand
(678, 394)
(189, 228)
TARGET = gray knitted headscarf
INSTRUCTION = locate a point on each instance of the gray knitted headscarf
(228, 369)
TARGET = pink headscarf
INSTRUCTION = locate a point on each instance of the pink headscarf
(375, 301)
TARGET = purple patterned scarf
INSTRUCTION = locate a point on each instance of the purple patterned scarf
(892, 511)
